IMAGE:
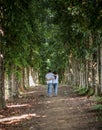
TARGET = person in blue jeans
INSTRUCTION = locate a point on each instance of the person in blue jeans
(49, 79)
(55, 83)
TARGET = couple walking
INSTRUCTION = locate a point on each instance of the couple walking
(52, 81)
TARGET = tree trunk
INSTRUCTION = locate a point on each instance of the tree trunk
(10, 95)
(86, 74)
(2, 89)
(98, 75)
(15, 83)
(33, 77)
(101, 68)
(20, 83)
(82, 76)
(26, 78)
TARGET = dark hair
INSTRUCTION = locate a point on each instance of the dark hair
(49, 70)
(55, 74)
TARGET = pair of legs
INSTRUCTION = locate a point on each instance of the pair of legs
(49, 89)
(55, 86)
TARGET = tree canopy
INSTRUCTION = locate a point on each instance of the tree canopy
(42, 34)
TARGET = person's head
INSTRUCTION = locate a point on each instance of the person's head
(54, 72)
(49, 71)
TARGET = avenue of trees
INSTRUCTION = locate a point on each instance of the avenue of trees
(61, 35)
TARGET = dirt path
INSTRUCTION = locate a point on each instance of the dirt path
(35, 111)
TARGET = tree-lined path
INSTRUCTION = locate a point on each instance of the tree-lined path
(61, 35)
(35, 111)
(58, 35)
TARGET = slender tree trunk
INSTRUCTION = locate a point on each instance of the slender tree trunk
(94, 69)
(97, 73)
(15, 83)
(20, 82)
(10, 96)
(70, 71)
(86, 74)
(77, 67)
(82, 76)
(101, 68)
(2, 89)
(12, 85)
(73, 71)
(67, 75)
(28, 75)
(33, 77)
(26, 78)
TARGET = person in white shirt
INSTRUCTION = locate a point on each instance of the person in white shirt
(55, 83)
(49, 79)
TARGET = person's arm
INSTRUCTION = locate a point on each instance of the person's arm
(48, 79)
(51, 78)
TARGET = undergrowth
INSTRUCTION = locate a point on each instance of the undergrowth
(98, 107)
(82, 91)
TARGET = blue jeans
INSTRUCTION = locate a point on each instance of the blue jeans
(55, 86)
(49, 89)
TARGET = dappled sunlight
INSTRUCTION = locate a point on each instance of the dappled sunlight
(64, 99)
(10, 120)
(31, 81)
(1, 116)
(77, 102)
(76, 98)
(49, 102)
(73, 98)
(18, 105)
(33, 78)
(67, 99)
(1, 32)
(29, 92)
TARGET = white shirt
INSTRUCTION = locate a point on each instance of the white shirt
(49, 77)
(56, 79)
